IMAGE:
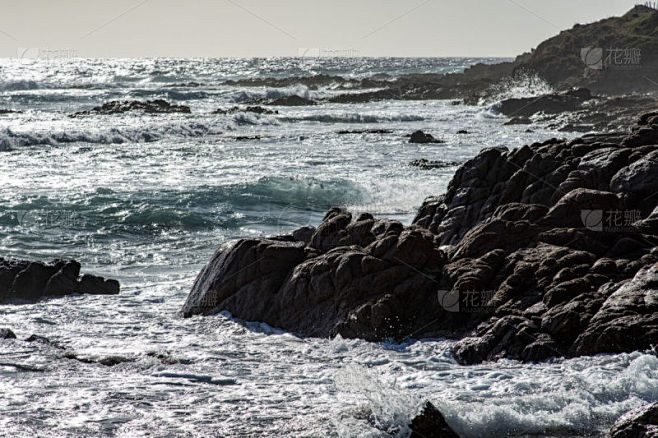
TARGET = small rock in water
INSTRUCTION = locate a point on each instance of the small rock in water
(6, 333)
(431, 424)
(421, 137)
(426, 164)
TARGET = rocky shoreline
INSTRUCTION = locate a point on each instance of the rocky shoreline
(549, 250)
(545, 251)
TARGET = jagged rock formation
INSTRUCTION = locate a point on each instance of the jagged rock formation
(26, 282)
(157, 106)
(541, 251)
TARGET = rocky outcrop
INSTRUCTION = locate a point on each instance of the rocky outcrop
(639, 423)
(430, 424)
(571, 100)
(26, 282)
(157, 106)
(421, 137)
(541, 251)
(615, 55)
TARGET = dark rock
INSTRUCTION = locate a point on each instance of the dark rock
(427, 165)
(421, 137)
(93, 285)
(638, 423)
(430, 424)
(247, 109)
(6, 333)
(157, 106)
(8, 111)
(547, 104)
(25, 282)
(247, 137)
(462, 131)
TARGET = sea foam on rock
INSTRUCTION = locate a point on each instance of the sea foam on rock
(542, 251)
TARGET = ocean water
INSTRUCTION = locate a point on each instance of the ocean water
(147, 199)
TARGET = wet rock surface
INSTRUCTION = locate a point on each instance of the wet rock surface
(638, 423)
(421, 137)
(430, 424)
(157, 106)
(543, 251)
(26, 282)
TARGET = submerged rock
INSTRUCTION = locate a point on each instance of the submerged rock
(430, 424)
(543, 251)
(421, 137)
(293, 100)
(638, 423)
(25, 281)
(157, 106)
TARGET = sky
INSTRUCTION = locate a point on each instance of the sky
(262, 28)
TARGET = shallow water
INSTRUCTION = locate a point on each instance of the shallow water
(147, 200)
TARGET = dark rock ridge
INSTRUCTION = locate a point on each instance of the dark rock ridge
(157, 106)
(9, 111)
(421, 137)
(26, 282)
(571, 100)
(542, 251)
(577, 110)
(639, 423)
(247, 109)
(430, 424)
(437, 164)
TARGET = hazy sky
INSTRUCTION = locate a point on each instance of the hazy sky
(245, 28)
